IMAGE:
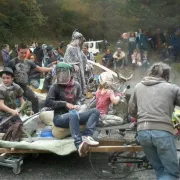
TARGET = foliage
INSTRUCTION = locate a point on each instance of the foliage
(27, 20)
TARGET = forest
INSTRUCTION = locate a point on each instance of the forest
(42, 20)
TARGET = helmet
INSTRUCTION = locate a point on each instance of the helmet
(77, 35)
(106, 79)
(63, 73)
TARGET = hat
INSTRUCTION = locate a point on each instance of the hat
(63, 73)
(6, 70)
(49, 48)
(106, 78)
(64, 65)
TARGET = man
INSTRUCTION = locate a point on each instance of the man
(22, 67)
(5, 53)
(152, 103)
(119, 57)
(63, 98)
(39, 53)
(107, 59)
(74, 56)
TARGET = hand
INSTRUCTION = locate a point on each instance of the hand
(70, 106)
(54, 62)
(14, 112)
(118, 94)
(76, 68)
(10, 51)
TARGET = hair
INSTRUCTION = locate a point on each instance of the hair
(7, 73)
(136, 50)
(5, 46)
(160, 70)
(32, 54)
(22, 46)
(104, 86)
(85, 45)
(132, 34)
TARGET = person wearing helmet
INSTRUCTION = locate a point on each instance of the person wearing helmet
(75, 57)
(63, 98)
(104, 97)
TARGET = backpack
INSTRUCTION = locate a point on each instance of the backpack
(13, 130)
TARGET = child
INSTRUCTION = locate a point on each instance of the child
(104, 97)
(136, 57)
(9, 92)
(145, 60)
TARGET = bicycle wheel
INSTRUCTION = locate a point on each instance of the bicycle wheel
(115, 165)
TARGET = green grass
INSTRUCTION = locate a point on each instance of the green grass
(176, 66)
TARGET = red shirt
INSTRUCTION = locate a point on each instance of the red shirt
(103, 101)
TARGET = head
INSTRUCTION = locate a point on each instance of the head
(22, 51)
(160, 70)
(132, 34)
(108, 51)
(119, 50)
(32, 57)
(49, 50)
(37, 45)
(7, 76)
(106, 80)
(136, 50)
(85, 48)
(78, 38)
(140, 30)
(64, 73)
(6, 47)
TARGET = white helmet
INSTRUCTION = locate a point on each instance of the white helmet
(106, 78)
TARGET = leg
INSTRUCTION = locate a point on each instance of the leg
(166, 148)
(34, 83)
(151, 153)
(69, 120)
(91, 117)
(29, 94)
(112, 120)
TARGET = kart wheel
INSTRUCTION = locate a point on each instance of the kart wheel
(17, 170)
(115, 165)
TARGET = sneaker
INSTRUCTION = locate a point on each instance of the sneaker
(83, 149)
(90, 141)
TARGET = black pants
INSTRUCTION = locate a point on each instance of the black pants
(30, 95)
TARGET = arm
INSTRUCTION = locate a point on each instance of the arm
(177, 98)
(5, 57)
(51, 99)
(21, 100)
(43, 69)
(114, 99)
(115, 55)
(133, 105)
(5, 108)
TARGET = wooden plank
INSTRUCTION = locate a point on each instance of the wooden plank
(116, 149)
(21, 151)
(111, 142)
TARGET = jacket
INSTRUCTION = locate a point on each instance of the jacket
(153, 102)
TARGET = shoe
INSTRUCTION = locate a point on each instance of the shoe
(90, 141)
(83, 149)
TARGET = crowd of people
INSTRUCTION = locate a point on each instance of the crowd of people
(166, 46)
(68, 73)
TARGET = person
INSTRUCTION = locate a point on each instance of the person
(9, 92)
(60, 49)
(104, 97)
(152, 104)
(88, 54)
(39, 54)
(6, 54)
(159, 40)
(63, 97)
(136, 57)
(119, 58)
(74, 56)
(131, 43)
(21, 68)
(34, 76)
(89, 68)
(107, 59)
(142, 42)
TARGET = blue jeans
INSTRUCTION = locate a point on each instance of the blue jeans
(89, 117)
(160, 149)
(34, 83)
